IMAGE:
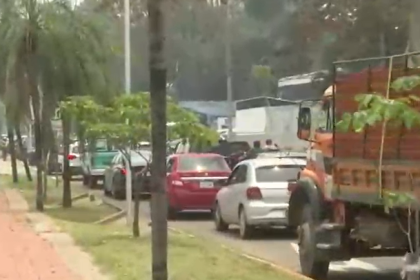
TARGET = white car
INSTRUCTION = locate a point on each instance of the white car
(256, 194)
(75, 160)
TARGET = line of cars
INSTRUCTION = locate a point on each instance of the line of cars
(254, 194)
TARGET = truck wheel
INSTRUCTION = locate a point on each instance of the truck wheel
(85, 180)
(309, 264)
(93, 182)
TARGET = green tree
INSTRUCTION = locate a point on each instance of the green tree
(126, 121)
(51, 52)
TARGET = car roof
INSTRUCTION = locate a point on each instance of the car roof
(196, 155)
(258, 162)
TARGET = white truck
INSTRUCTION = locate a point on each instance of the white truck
(262, 118)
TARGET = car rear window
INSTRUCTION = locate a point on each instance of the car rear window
(211, 163)
(277, 173)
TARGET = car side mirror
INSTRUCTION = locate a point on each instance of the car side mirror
(304, 123)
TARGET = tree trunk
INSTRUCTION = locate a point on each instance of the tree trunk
(12, 152)
(136, 217)
(159, 202)
(25, 154)
(45, 159)
(38, 146)
(66, 164)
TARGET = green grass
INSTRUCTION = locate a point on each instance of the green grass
(190, 258)
(126, 258)
(54, 191)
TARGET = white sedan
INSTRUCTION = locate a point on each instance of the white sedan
(256, 194)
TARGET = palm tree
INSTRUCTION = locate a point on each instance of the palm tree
(52, 51)
(159, 203)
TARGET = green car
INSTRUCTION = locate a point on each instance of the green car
(94, 163)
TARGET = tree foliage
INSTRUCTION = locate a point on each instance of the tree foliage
(375, 108)
(126, 120)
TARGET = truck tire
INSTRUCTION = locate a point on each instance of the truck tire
(93, 182)
(310, 265)
(85, 180)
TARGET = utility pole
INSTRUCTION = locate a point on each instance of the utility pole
(127, 74)
(228, 65)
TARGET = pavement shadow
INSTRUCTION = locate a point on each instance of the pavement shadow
(266, 234)
(194, 216)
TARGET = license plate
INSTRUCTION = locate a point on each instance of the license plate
(206, 185)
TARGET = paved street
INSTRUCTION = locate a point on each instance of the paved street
(278, 247)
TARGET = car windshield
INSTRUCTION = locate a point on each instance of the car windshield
(277, 173)
(209, 163)
(140, 157)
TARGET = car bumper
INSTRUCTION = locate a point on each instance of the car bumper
(260, 213)
(97, 172)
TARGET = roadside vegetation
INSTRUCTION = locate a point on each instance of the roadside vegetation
(124, 257)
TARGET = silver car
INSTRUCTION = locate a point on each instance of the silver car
(256, 194)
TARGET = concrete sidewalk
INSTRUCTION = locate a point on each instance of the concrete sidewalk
(34, 248)
(24, 254)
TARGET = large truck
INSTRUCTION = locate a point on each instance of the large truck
(263, 118)
(339, 201)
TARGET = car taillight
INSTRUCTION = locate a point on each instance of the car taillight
(253, 193)
(123, 171)
(177, 183)
(291, 186)
(71, 157)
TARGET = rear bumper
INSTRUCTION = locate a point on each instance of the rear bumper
(143, 187)
(97, 172)
(266, 214)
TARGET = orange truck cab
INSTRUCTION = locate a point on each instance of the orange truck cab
(338, 202)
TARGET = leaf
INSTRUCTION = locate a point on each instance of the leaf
(406, 83)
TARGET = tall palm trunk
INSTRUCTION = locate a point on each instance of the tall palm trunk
(159, 202)
(66, 165)
(12, 152)
(24, 154)
(38, 146)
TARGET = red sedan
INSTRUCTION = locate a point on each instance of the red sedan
(193, 181)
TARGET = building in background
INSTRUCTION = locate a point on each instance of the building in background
(210, 112)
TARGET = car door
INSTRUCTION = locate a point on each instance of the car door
(225, 196)
(236, 190)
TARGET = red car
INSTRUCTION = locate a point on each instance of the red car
(193, 181)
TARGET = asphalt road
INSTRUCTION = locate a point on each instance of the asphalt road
(276, 246)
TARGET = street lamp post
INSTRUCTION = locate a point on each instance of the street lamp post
(127, 74)
(228, 65)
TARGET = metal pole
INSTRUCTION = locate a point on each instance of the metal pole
(127, 62)
(228, 65)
